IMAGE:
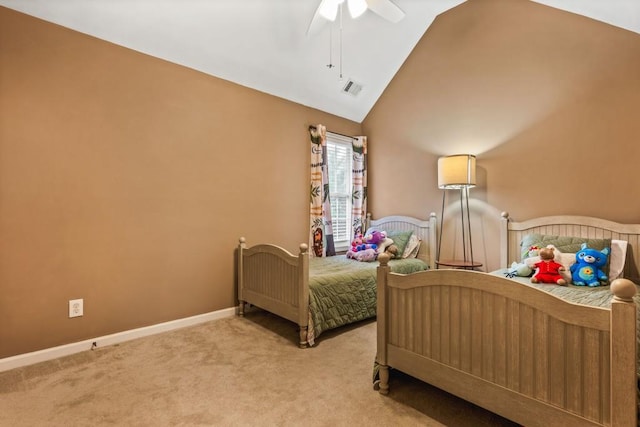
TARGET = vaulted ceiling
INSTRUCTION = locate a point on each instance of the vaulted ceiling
(263, 44)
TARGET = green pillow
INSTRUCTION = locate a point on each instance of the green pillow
(400, 239)
(564, 244)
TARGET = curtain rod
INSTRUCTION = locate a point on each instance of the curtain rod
(335, 133)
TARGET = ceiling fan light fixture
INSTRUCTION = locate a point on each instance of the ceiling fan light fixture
(357, 7)
(328, 9)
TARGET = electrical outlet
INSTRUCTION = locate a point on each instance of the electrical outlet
(76, 307)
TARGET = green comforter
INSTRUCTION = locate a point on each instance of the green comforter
(343, 291)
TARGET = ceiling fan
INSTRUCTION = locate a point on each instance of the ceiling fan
(328, 11)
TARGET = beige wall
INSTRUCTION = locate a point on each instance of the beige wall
(126, 180)
(548, 101)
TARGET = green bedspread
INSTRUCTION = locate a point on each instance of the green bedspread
(343, 291)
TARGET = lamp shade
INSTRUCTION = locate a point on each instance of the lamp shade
(457, 171)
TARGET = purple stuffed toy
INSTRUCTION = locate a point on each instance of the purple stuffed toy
(368, 255)
(375, 237)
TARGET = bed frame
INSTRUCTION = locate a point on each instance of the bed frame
(516, 350)
(276, 280)
(511, 233)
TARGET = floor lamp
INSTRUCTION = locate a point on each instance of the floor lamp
(458, 172)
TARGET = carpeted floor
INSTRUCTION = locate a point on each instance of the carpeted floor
(230, 372)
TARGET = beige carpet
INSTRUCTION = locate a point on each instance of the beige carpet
(230, 372)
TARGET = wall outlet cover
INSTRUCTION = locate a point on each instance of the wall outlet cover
(76, 307)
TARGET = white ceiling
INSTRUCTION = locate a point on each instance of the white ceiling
(262, 44)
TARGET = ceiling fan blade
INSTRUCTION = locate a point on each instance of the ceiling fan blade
(386, 9)
(326, 8)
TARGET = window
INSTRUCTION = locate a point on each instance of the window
(339, 157)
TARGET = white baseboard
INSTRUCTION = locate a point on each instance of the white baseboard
(65, 350)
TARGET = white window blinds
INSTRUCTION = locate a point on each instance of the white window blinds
(339, 157)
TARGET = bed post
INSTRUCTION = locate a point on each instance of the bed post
(367, 223)
(504, 240)
(381, 354)
(303, 303)
(623, 354)
(242, 245)
(433, 239)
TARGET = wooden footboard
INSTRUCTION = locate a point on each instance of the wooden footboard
(274, 279)
(517, 351)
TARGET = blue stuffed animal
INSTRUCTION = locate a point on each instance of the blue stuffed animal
(587, 269)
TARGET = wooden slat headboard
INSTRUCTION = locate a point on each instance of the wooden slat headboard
(424, 229)
(512, 232)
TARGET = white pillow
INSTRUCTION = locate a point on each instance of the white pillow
(413, 245)
(566, 259)
(618, 257)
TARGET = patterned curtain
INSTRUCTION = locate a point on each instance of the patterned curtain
(359, 192)
(321, 236)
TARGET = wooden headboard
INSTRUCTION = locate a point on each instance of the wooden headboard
(424, 229)
(511, 234)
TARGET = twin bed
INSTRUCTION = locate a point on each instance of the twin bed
(324, 293)
(513, 347)
(539, 355)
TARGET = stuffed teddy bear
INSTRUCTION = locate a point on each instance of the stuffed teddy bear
(384, 245)
(392, 250)
(547, 269)
(587, 271)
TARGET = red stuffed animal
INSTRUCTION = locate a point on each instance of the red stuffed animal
(547, 270)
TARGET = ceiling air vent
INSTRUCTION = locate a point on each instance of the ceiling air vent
(352, 88)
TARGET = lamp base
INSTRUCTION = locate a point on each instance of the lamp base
(465, 228)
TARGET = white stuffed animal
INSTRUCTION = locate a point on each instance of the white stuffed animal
(384, 244)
